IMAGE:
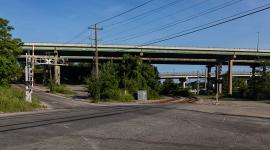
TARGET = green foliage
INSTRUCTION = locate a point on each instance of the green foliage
(137, 75)
(168, 87)
(240, 88)
(108, 80)
(117, 95)
(173, 89)
(260, 87)
(266, 101)
(54, 88)
(130, 75)
(13, 100)
(10, 48)
(183, 92)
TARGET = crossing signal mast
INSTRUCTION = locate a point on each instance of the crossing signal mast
(30, 62)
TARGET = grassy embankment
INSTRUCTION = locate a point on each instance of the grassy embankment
(13, 100)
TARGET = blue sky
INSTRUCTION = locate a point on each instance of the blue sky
(61, 20)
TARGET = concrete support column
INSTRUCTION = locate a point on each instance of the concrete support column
(57, 75)
(253, 71)
(56, 69)
(220, 88)
(184, 84)
(218, 76)
(45, 75)
(208, 86)
(205, 80)
(183, 81)
(186, 81)
(230, 79)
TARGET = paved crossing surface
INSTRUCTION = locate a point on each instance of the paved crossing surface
(77, 125)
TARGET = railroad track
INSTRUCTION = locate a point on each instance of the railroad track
(29, 120)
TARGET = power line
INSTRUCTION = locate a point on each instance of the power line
(140, 16)
(206, 26)
(233, 17)
(77, 36)
(169, 25)
(108, 19)
(166, 16)
(125, 12)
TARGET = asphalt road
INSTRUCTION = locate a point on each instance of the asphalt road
(78, 126)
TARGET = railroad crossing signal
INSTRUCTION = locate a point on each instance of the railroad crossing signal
(28, 78)
(30, 62)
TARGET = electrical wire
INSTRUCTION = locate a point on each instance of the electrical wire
(172, 24)
(205, 26)
(77, 36)
(125, 12)
(144, 14)
(166, 16)
(108, 19)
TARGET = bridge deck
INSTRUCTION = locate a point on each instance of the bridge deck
(154, 54)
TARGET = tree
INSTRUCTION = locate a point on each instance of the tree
(169, 87)
(122, 81)
(259, 86)
(10, 48)
(107, 82)
(137, 75)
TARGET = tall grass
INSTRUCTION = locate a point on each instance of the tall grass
(54, 88)
(13, 100)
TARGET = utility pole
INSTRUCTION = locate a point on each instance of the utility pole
(96, 29)
(96, 70)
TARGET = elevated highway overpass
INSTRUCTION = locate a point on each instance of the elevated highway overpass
(183, 77)
(153, 54)
(211, 57)
(189, 75)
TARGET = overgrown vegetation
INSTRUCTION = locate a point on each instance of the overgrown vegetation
(54, 88)
(13, 100)
(120, 82)
(256, 88)
(259, 86)
(170, 88)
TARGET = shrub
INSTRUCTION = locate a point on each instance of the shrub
(117, 95)
(132, 75)
(152, 94)
(168, 87)
(183, 92)
(54, 88)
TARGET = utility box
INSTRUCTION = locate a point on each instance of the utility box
(142, 95)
